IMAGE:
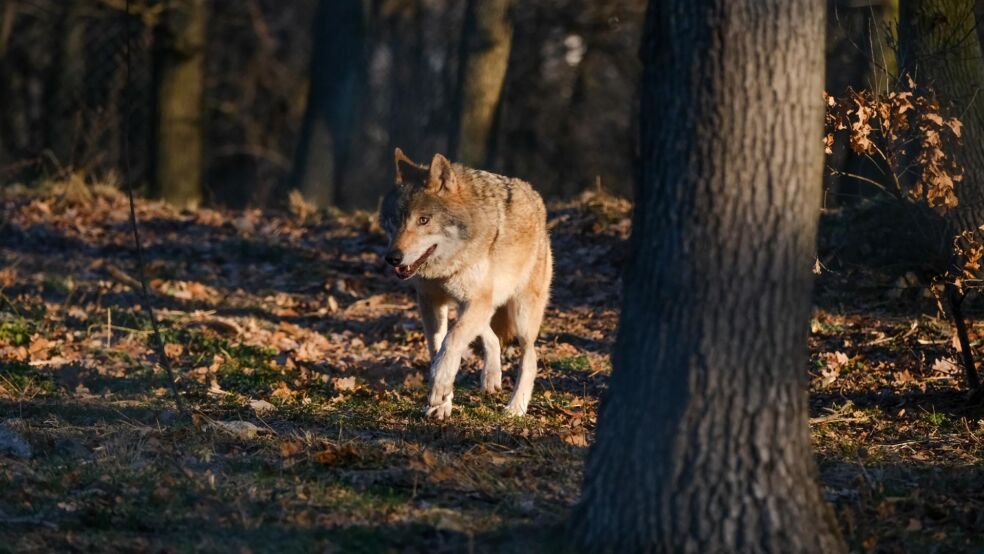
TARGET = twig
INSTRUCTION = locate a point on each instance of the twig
(905, 334)
(956, 298)
(158, 341)
(122, 277)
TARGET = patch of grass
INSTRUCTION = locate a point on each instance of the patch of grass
(24, 381)
(16, 332)
(244, 368)
(936, 419)
(826, 327)
(572, 363)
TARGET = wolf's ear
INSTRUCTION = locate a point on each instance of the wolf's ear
(408, 171)
(442, 177)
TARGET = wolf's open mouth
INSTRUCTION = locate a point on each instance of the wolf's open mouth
(407, 271)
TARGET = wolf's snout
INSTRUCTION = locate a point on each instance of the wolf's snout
(394, 257)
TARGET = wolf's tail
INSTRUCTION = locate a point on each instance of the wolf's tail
(502, 325)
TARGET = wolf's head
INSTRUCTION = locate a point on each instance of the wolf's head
(425, 223)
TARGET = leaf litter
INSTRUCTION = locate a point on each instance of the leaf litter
(306, 367)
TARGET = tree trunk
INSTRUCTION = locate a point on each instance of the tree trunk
(66, 82)
(180, 86)
(939, 46)
(703, 442)
(7, 16)
(485, 46)
(883, 38)
(338, 77)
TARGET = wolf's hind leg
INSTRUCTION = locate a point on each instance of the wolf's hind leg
(492, 368)
(434, 316)
(526, 311)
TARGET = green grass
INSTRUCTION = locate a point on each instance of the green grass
(24, 381)
(572, 363)
(16, 332)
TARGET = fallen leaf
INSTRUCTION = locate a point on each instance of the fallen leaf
(173, 350)
(414, 380)
(261, 406)
(336, 454)
(574, 437)
(242, 430)
(290, 448)
(342, 384)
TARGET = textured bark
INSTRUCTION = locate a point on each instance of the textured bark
(180, 86)
(939, 46)
(486, 42)
(703, 442)
(338, 77)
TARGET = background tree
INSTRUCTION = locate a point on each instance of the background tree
(702, 443)
(939, 45)
(485, 45)
(7, 15)
(180, 87)
(338, 73)
(66, 83)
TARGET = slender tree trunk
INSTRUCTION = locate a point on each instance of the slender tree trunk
(486, 42)
(180, 86)
(66, 83)
(7, 16)
(939, 45)
(703, 442)
(338, 77)
(884, 38)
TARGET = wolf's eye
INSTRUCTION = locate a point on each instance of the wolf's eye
(422, 220)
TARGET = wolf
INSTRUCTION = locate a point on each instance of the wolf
(479, 241)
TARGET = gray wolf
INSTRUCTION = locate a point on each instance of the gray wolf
(479, 241)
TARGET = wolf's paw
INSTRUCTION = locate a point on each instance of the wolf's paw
(439, 403)
(440, 411)
(491, 381)
(517, 406)
(492, 386)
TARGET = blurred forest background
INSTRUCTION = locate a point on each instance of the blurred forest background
(572, 70)
(245, 100)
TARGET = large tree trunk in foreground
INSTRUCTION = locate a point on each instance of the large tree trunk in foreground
(486, 42)
(180, 87)
(940, 47)
(703, 442)
(337, 80)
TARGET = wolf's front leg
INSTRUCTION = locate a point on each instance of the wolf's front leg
(434, 315)
(474, 317)
(492, 369)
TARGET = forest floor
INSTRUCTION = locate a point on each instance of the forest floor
(304, 364)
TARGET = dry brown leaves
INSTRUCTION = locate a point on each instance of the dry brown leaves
(906, 130)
